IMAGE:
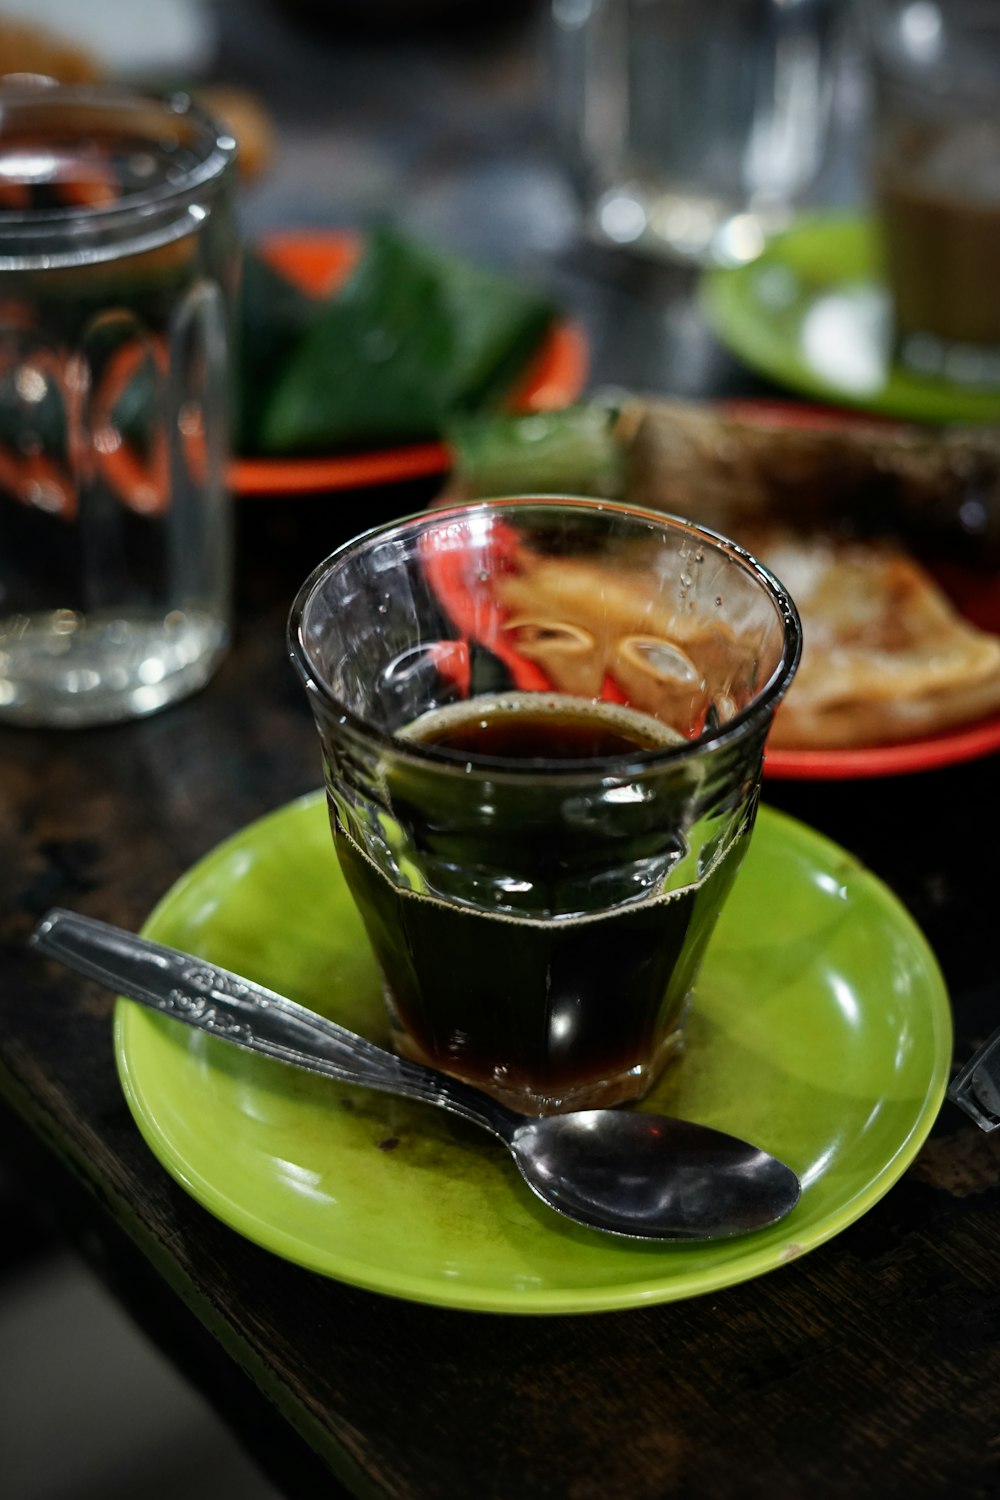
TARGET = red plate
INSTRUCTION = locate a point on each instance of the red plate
(319, 261)
(930, 754)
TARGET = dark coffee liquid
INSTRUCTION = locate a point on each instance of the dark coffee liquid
(539, 1007)
(550, 730)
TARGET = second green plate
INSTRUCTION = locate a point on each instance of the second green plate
(820, 1030)
(812, 314)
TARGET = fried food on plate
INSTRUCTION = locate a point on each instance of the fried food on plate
(886, 656)
(837, 509)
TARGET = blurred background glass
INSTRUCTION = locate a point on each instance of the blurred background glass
(694, 129)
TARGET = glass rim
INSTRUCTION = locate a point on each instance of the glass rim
(740, 725)
(217, 150)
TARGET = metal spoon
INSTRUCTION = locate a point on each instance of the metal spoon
(622, 1171)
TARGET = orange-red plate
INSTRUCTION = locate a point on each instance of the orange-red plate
(930, 754)
(319, 261)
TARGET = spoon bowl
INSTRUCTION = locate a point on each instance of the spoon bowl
(648, 1176)
(620, 1171)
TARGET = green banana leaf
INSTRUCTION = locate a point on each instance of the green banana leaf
(413, 339)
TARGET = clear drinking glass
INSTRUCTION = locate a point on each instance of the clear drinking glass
(118, 266)
(542, 723)
(936, 181)
(693, 129)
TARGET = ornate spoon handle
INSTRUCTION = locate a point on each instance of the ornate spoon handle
(213, 999)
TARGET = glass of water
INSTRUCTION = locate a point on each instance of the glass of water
(693, 128)
(118, 269)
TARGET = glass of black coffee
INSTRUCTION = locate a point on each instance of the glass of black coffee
(542, 723)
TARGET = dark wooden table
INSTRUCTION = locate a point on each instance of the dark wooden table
(868, 1368)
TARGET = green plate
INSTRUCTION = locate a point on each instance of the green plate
(812, 314)
(821, 1030)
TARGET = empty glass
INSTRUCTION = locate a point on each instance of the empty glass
(693, 129)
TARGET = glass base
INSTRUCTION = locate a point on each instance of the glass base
(685, 228)
(60, 669)
(528, 1099)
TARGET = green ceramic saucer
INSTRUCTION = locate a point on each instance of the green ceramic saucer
(812, 314)
(821, 1030)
